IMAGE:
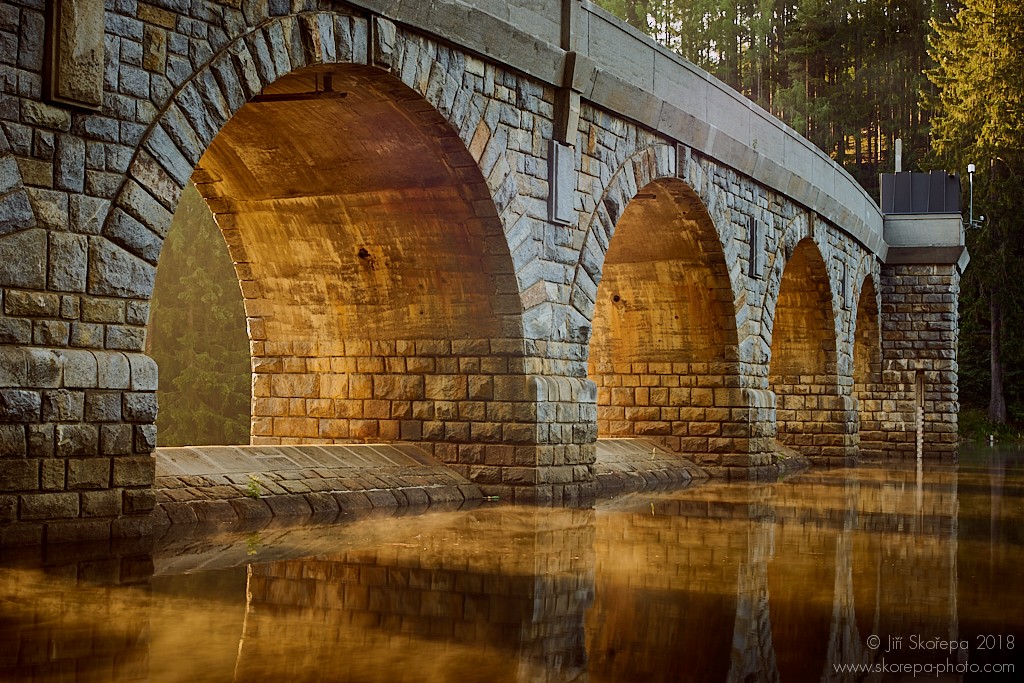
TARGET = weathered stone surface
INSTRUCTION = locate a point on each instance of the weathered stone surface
(77, 440)
(77, 75)
(115, 272)
(113, 370)
(144, 373)
(68, 264)
(20, 405)
(79, 369)
(12, 441)
(18, 475)
(116, 439)
(49, 506)
(134, 471)
(23, 259)
(88, 473)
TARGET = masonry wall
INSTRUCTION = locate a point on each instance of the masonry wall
(919, 366)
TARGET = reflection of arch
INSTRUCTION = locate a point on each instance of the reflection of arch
(370, 255)
(867, 369)
(803, 371)
(664, 343)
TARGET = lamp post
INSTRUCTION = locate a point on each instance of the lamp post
(972, 223)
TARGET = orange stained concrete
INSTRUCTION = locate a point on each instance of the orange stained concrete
(357, 218)
(664, 294)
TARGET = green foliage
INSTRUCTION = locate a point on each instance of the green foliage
(197, 334)
(252, 487)
(847, 74)
(974, 425)
(979, 118)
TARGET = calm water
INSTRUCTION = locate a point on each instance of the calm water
(772, 582)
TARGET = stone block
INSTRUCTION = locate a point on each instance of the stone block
(139, 406)
(68, 264)
(20, 405)
(139, 501)
(145, 438)
(134, 471)
(101, 503)
(88, 473)
(41, 441)
(116, 439)
(50, 333)
(41, 506)
(115, 272)
(19, 474)
(86, 335)
(398, 387)
(44, 368)
(103, 406)
(77, 440)
(8, 512)
(87, 214)
(23, 259)
(144, 372)
(69, 166)
(126, 338)
(63, 405)
(13, 442)
(113, 370)
(52, 476)
(80, 369)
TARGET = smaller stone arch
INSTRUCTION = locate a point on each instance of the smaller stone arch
(867, 368)
(812, 415)
(654, 283)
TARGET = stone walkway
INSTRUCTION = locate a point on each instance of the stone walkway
(202, 484)
(254, 484)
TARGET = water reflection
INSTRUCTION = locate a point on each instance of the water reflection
(720, 582)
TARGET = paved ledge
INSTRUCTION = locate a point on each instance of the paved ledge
(250, 486)
(231, 484)
(637, 464)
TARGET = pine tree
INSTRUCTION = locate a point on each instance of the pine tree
(979, 119)
(197, 334)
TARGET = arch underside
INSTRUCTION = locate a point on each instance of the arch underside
(663, 348)
(867, 372)
(811, 415)
(377, 282)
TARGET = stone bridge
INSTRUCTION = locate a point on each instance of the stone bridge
(500, 230)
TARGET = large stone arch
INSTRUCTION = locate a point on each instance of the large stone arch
(381, 299)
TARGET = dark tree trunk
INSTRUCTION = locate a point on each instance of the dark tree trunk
(997, 400)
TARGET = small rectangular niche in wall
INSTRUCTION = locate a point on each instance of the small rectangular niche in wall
(757, 252)
(74, 52)
(561, 183)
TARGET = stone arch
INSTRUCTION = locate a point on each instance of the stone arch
(654, 283)
(380, 296)
(867, 367)
(811, 414)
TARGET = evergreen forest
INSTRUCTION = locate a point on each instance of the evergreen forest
(853, 76)
(197, 334)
